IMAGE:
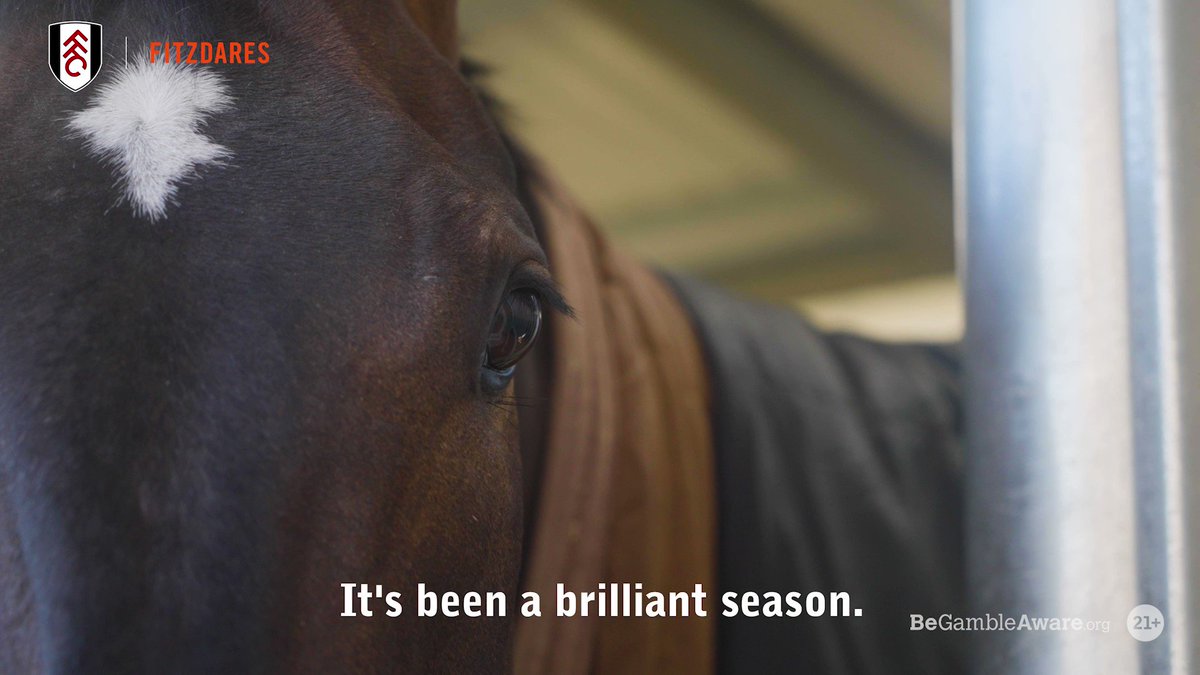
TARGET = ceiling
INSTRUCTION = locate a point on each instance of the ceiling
(781, 147)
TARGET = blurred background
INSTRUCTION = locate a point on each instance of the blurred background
(794, 150)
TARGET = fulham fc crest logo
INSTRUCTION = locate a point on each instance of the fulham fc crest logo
(76, 52)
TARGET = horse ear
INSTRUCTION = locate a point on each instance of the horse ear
(438, 19)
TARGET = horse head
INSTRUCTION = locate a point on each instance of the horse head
(260, 325)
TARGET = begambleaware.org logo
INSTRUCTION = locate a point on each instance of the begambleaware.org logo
(76, 52)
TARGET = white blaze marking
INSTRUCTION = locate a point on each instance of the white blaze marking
(146, 122)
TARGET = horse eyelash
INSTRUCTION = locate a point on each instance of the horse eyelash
(515, 402)
(547, 290)
(512, 404)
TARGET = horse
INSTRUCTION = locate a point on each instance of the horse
(271, 331)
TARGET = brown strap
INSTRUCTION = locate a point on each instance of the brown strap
(628, 491)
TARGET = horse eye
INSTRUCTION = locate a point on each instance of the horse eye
(514, 328)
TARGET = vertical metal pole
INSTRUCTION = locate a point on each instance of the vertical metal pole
(1160, 75)
(1079, 176)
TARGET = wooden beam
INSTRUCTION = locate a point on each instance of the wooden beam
(790, 89)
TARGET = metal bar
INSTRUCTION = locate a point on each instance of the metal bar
(1081, 335)
(1160, 63)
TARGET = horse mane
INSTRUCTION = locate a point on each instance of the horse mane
(526, 169)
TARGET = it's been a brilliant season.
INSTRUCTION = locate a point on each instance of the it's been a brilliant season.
(608, 600)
